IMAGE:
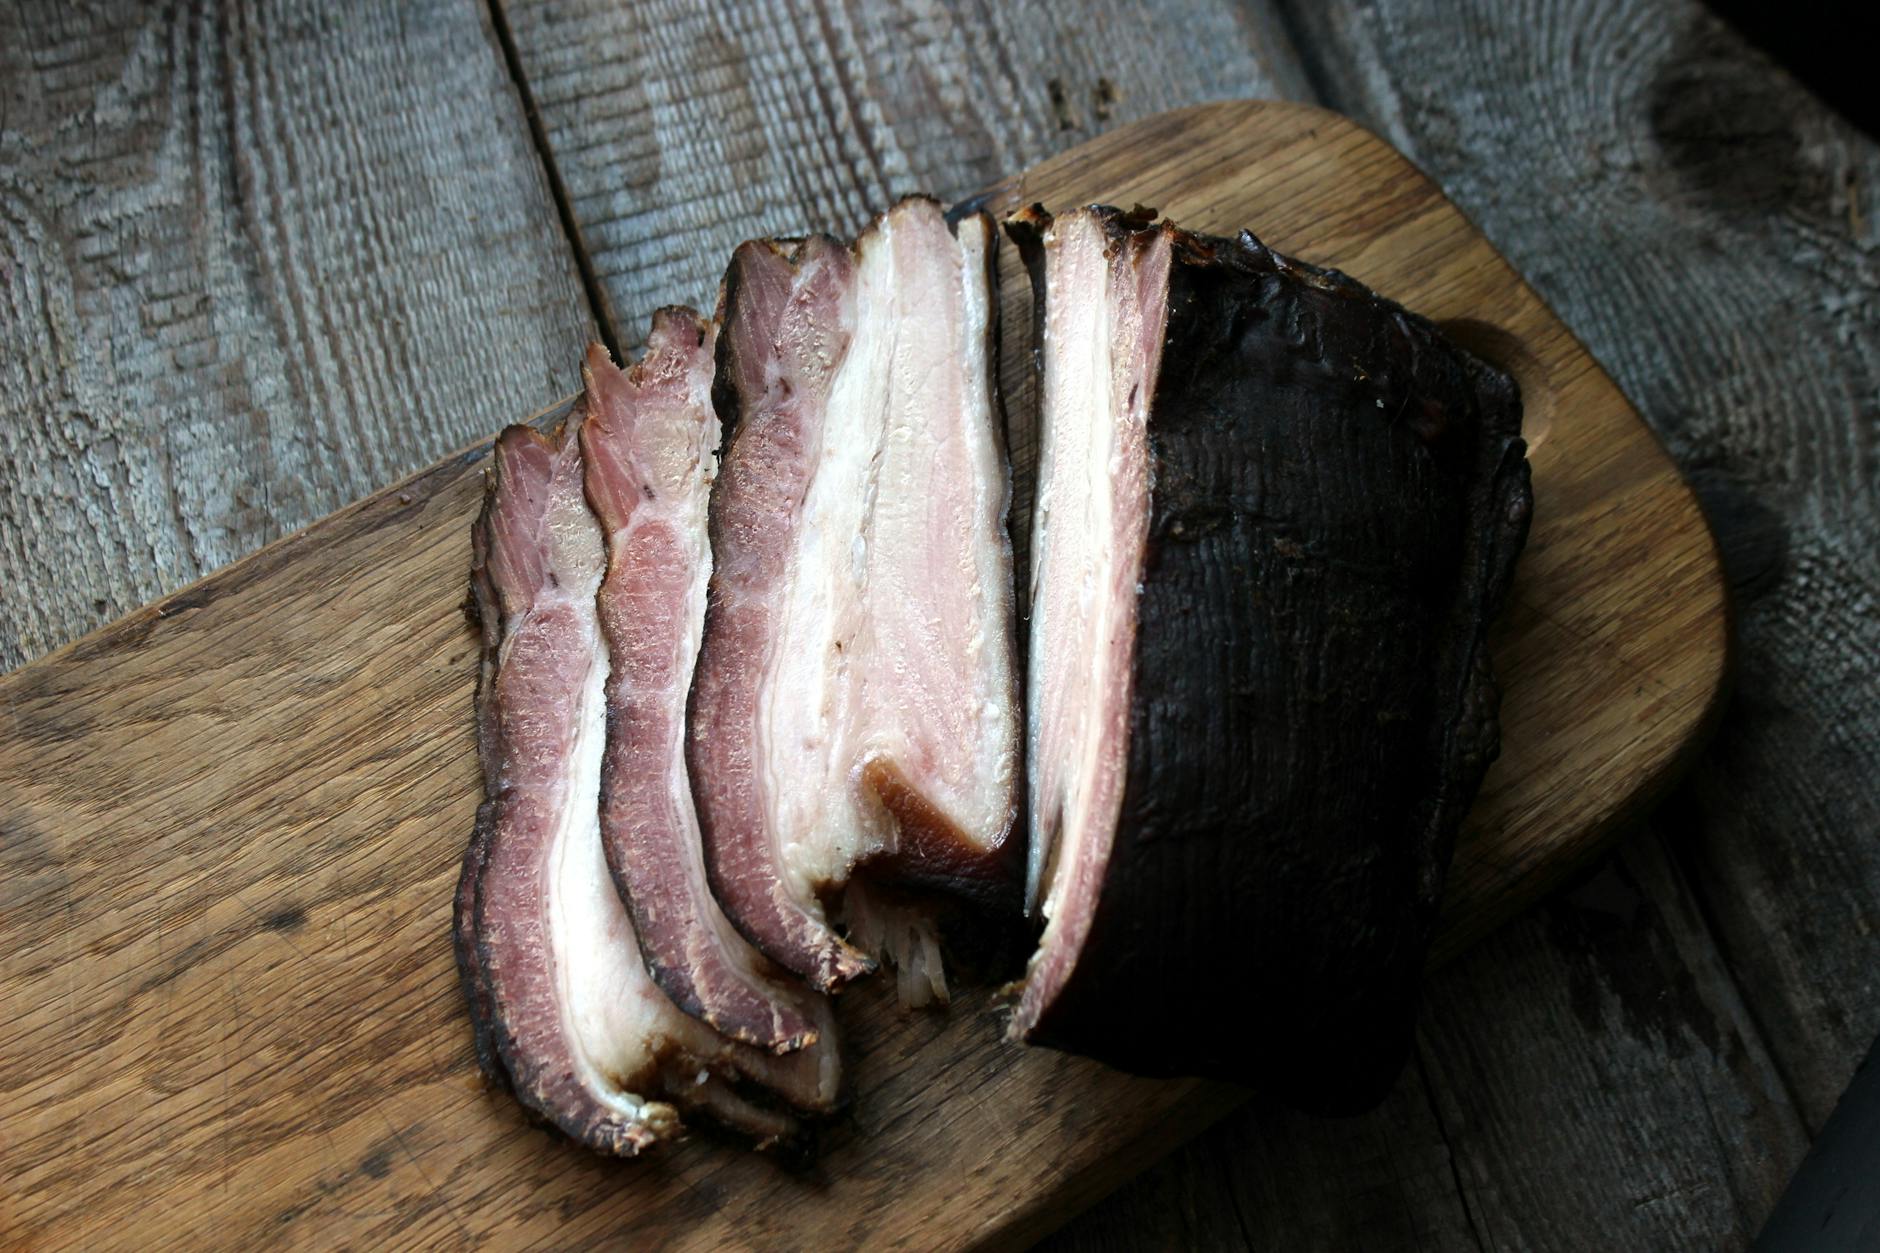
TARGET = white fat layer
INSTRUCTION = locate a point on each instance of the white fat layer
(1070, 518)
(894, 597)
(612, 1012)
(621, 1026)
(1099, 372)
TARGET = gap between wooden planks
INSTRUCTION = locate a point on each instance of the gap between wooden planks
(230, 824)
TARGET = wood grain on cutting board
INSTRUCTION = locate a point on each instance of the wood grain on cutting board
(230, 825)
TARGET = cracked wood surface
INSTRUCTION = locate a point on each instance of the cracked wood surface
(255, 262)
(225, 237)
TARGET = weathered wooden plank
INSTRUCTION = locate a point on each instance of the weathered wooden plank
(1708, 228)
(1271, 1179)
(680, 129)
(256, 260)
(1600, 1081)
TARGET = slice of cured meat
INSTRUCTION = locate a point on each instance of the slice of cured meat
(649, 446)
(557, 987)
(855, 701)
(1275, 516)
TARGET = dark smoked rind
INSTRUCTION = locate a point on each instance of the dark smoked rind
(1338, 498)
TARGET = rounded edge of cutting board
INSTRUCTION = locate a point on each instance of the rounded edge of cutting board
(1619, 623)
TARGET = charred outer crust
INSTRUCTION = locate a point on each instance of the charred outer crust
(486, 614)
(1338, 497)
(464, 943)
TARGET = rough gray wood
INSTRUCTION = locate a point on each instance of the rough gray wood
(1709, 229)
(1596, 1083)
(255, 261)
(1271, 1179)
(1598, 1078)
(680, 129)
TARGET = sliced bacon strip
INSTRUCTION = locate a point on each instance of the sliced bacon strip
(855, 702)
(650, 449)
(557, 986)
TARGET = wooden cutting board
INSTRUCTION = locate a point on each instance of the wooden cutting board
(230, 825)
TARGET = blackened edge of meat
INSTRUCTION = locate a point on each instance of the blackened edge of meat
(1315, 704)
(463, 942)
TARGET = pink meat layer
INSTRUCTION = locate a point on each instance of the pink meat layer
(855, 699)
(649, 444)
(586, 1038)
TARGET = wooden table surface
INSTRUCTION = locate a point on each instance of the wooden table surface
(257, 259)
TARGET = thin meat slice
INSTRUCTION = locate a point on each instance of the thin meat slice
(1275, 517)
(855, 702)
(556, 983)
(649, 445)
